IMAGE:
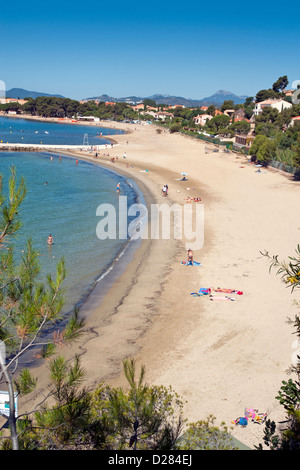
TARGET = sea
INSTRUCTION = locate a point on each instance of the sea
(62, 200)
(27, 131)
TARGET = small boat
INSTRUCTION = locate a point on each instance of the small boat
(46, 132)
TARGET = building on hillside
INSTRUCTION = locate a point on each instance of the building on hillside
(244, 140)
(239, 119)
(204, 108)
(229, 112)
(163, 115)
(202, 119)
(280, 105)
(138, 107)
(288, 92)
(176, 106)
(239, 113)
(160, 115)
(217, 112)
(88, 118)
(293, 120)
(12, 100)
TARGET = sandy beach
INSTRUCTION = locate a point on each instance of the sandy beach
(220, 356)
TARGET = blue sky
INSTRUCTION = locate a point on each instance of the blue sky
(189, 49)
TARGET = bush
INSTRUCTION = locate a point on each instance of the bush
(204, 435)
(175, 128)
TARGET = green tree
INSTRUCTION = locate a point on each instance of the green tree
(241, 127)
(63, 424)
(218, 122)
(205, 435)
(149, 102)
(280, 84)
(297, 154)
(211, 110)
(249, 101)
(263, 148)
(141, 417)
(263, 95)
(175, 128)
(227, 104)
(267, 115)
(27, 307)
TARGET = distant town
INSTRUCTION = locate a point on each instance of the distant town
(267, 125)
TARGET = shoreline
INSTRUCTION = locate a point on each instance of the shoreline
(102, 302)
(55, 120)
(220, 357)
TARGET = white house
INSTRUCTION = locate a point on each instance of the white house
(163, 115)
(88, 118)
(280, 105)
(294, 119)
(202, 119)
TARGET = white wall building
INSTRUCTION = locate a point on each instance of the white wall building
(294, 119)
(202, 119)
(280, 105)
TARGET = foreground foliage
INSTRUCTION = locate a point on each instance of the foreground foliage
(139, 417)
(28, 308)
(287, 437)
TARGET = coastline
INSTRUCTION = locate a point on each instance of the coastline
(221, 357)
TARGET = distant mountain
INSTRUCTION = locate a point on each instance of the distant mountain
(216, 99)
(127, 99)
(21, 94)
(220, 96)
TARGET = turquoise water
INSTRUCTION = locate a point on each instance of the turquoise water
(66, 208)
(25, 131)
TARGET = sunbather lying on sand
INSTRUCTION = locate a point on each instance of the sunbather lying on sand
(192, 199)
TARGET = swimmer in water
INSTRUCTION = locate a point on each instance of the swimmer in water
(50, 240)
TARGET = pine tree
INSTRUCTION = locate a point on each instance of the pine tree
(27, 307)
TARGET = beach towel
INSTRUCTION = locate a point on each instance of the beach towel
(189, 263)
(202, 291)
(227, 291)
(242, 421)
(255, 417)
(259, 418)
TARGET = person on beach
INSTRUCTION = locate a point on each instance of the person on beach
(164, 191)
(50, 239)
(190, 259)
